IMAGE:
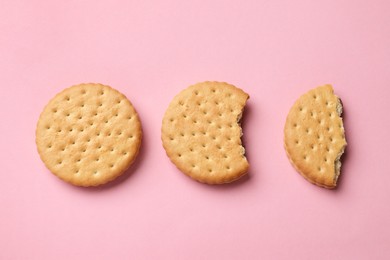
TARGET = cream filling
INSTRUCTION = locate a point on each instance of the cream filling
(337, 163)
(239, 117)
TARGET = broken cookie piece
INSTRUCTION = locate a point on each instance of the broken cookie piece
(314, 137)
(201, 132)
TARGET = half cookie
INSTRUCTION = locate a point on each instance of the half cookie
(314, 136)
(201, 132)
(88, 134)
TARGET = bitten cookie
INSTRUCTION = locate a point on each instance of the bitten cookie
(201, 132)
(88, 134)
(314, 136)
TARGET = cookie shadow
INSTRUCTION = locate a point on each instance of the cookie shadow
(247, 117)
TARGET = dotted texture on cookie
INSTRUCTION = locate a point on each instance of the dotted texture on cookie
(201, 132)
(314, 136)
(88, 134)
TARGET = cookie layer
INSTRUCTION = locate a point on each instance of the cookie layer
(202, 135)
(314, 136)
(88, 134)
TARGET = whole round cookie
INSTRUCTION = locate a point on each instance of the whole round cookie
(201, 132)
(314, 136)
(88, 134)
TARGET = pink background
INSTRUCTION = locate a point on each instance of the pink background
(150, 50)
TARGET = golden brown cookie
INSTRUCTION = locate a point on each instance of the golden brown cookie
(88, 134)
(314, 136)
(201, 132)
